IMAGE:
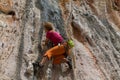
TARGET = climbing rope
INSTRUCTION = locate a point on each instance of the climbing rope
(68, 21)
(69, 33)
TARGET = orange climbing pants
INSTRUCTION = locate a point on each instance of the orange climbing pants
(57, 53)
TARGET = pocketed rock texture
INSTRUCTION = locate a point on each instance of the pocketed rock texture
(94, 26)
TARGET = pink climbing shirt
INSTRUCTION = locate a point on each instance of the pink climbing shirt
(55, 37)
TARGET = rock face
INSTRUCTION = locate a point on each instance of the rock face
(94, 26)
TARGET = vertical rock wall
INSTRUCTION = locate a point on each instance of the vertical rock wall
(93, 25)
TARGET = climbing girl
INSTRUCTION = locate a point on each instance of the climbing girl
(60, 50)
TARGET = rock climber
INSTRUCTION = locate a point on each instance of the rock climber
(61, 49)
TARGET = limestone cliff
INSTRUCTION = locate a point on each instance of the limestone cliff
(94, 26)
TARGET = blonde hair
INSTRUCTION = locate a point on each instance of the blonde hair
(48, 26)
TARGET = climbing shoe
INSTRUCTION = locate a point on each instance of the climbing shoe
(35, 64)
(38, 65)
(69, 64)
